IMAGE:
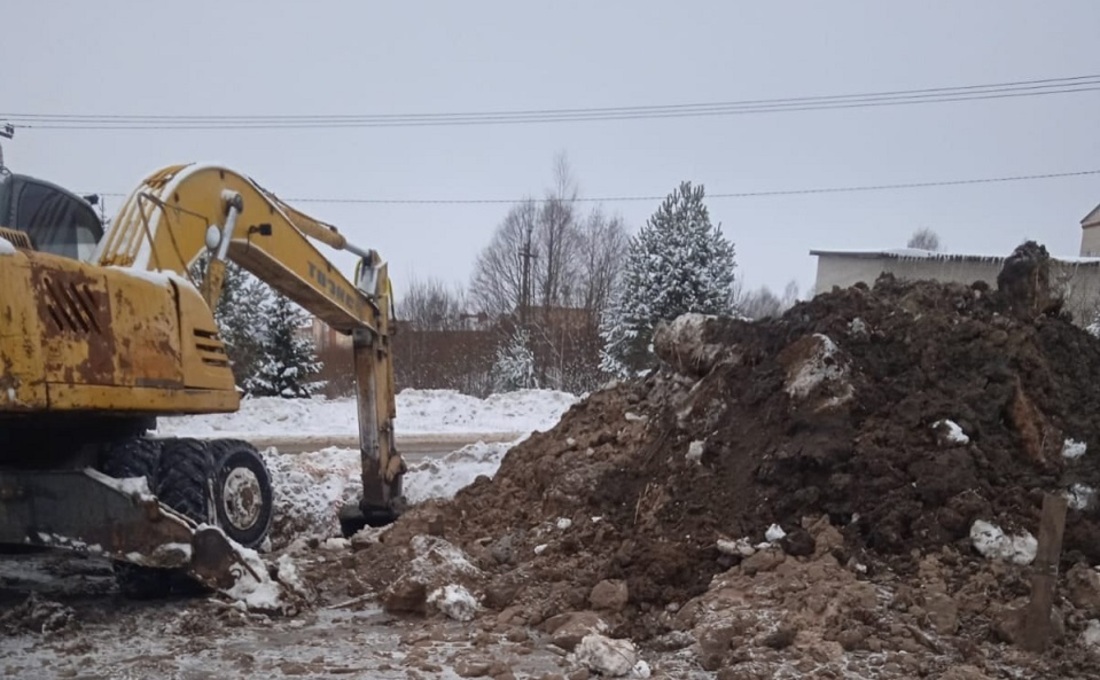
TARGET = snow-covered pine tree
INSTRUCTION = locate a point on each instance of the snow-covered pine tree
(514, 366)
(677, 263)
(287, 360)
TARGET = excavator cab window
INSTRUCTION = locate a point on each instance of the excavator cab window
(57, 221)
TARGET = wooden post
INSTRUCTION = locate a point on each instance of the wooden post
(1036, 624)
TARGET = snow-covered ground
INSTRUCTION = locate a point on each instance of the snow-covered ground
(310, 487)
(419, 412)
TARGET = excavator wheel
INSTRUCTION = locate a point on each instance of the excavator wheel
(182, 473)
(243, 498)
(135, 457)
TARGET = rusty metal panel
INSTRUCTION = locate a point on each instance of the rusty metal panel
(142, 400)
(74, 320)
(75, 336)
(22, 384)
(146, 328)
(99, 327)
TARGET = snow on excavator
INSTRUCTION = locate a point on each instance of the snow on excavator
(103, 330)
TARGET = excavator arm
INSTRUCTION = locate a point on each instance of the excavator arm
(178, 213)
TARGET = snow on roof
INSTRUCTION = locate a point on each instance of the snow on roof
(919, 254)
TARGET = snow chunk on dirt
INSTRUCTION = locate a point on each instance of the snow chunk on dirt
(257, 590)
(774, 533)
(992, 542)
(435, 555)
(695, 452)
(681, 344)
(1090, 637)
(436, 566)
(1080, 496)
(601, 654)
(1072, 449)
(742, 547)
(454, 601)
(816, 366)
(951, 432)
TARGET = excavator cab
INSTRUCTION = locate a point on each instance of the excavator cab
(55, 220)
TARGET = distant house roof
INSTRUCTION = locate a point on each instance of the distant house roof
(1092, 219)
(918, 254)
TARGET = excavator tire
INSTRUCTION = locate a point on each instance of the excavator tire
(182, 474)
(243, 498)
(135, 457)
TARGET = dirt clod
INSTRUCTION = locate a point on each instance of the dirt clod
(610, 595)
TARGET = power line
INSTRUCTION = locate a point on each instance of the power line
(938, 95)
(727, 195)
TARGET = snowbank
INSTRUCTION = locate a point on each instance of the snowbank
(443, 477)
(418, 412)
(310, 488)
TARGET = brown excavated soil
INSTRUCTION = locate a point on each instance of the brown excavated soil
(823, 418)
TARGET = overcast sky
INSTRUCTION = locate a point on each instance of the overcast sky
(281, 57)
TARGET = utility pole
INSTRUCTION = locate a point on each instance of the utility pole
(525, 285)
(7, 131)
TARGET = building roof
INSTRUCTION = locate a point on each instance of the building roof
(918, 254)
(1092, 219)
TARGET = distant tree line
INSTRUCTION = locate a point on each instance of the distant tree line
(566, 295)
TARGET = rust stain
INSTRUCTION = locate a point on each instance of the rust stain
(75, 316)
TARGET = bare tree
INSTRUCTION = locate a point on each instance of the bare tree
(557, 237)
(762, 302)
(549, 254)
(604, 243)
(499, 283)
(924, 239)
(535, 255)
(790, 294)
(429, 304)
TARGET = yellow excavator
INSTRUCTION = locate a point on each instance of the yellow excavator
(104, 329)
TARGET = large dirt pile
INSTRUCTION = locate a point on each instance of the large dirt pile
(909, 419)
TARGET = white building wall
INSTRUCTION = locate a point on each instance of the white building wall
(1090, 241)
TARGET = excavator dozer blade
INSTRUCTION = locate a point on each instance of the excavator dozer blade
(89, 512)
